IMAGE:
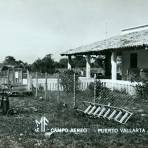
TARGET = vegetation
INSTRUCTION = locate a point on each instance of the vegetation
(47, 63)
(44, 65)
(9, 60)
(78, 62)
(98, 86)
(67, 81)
(17, 129)
(142, 90)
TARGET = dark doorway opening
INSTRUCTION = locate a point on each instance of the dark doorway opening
(133, 60)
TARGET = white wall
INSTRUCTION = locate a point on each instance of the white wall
(142, 60)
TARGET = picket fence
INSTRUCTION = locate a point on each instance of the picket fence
(53, 84)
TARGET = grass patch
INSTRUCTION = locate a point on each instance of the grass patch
(17, 130)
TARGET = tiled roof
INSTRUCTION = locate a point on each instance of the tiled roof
(133, 39)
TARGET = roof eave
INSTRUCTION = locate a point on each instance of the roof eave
(105, 50)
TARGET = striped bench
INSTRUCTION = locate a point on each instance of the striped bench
(106, 111)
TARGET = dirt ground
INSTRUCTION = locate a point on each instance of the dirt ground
(17, 128)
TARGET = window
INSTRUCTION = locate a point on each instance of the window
(133, 60)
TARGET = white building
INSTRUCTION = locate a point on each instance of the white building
(131, 45)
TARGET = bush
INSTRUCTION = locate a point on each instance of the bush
(142, 90)
(67, 81)
(41, 88)
(100, 89)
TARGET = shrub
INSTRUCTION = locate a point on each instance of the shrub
(41, 88)
(100, 89)
(67, 81)
(142, 90)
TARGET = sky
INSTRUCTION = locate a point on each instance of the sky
(31, 29)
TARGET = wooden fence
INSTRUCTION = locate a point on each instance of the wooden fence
(53, 84)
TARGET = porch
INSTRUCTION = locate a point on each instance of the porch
(131, 45)
(118, 85)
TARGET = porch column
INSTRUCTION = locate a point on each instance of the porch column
(114, 65)
(88, 66)
(69, 62)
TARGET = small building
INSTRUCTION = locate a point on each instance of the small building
(11, 74)
(132, 48)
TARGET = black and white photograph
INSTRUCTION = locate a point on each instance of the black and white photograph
(73, 74)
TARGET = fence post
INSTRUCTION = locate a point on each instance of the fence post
(8, 73)
(21, 77)
(58, 96)
(29, 81)
(36, 92)
(94, 88)
(14, 80)
(74, 90)
(46, 86)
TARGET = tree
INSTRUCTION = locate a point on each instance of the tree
(63, 63)
(46, 64)
(10, 60)
(37, 65)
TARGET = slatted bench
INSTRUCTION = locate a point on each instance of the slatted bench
(105, 111)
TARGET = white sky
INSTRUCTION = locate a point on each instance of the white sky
(33, 28)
